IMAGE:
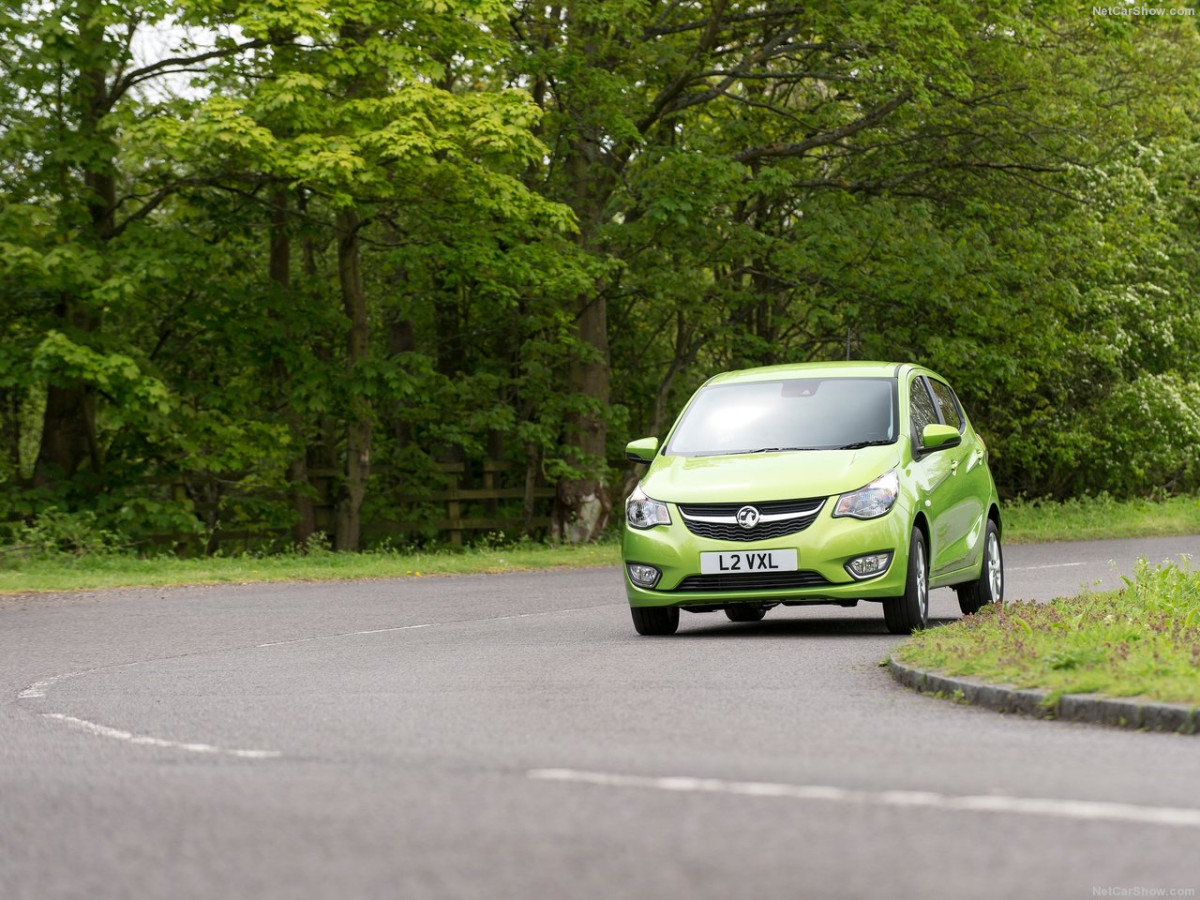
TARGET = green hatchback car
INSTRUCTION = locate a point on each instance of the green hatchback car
(824, 483)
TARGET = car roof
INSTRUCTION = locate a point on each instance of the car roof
(852, 369)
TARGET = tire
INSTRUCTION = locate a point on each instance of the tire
(745, 613)
(655, 620)
(906, 614)
(989, 586)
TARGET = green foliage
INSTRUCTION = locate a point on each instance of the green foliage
(116, 376)
(57, 533)
(732, 184)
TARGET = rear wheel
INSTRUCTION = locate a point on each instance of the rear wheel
(745, 613)
(907, 613)
(989, 586)
(655, 620)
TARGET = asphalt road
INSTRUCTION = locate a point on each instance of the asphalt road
(511, 737)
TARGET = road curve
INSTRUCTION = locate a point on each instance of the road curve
(510, 737)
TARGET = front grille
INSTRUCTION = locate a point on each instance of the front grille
(765, 581)
(801, 513)
(735, 532)
(767, 507)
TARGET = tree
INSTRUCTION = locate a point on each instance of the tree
(367, 239)
(359, 113)
(71, 77)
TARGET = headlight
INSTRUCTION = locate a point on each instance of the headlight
(872, 501)
(642, 512)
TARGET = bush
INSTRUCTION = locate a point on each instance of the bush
(58, 533)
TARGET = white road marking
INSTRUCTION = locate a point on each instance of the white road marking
(146, 740)
(326, 637)
(545, 612)
(1086, 810)
(38, 689)
(1035, 568)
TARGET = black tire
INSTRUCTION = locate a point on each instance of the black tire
(745, 613)
(906, 614)
(989, 586)
(655, 620)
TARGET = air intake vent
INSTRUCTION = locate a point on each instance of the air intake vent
(766, 581)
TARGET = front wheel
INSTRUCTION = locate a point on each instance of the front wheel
(906, 614)
(655, 620)
(989, 586)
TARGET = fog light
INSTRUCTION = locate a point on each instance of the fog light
(643, 575)
(869, 566)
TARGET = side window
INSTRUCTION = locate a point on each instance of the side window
(947, 403)
(923, 412)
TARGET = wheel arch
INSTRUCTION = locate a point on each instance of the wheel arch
(922, 524)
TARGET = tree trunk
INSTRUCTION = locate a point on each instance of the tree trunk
(68, 434)
(402, 338)
(279, 271)
(582, 505)
(69, 439)
(12, 429)
(450, 361)
(348, 526)
(529, 501)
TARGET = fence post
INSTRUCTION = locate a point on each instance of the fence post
(491, 506)
(454, 509)
(179, 495)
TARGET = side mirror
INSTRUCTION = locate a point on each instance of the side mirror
(642, 451)
(939, 437)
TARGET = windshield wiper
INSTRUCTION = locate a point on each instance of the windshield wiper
(779, 449)
(861, 444)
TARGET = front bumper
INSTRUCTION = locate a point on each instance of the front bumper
(823, 548)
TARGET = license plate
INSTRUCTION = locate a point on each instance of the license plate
(750, 561)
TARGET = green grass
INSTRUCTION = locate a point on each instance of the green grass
(23, 571)
(115, 570)
(1095, 518)
(1141, 641)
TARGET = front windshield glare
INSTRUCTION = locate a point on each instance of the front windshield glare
(793, 414)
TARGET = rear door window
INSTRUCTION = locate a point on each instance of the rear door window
(923, 411)
(947, 403)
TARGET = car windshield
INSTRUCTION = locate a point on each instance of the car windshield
(792, 414)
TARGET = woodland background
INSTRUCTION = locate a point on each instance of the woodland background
(254, 253)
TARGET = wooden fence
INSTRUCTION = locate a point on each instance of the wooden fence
(470, 498)
(471, 508)
(470, 501)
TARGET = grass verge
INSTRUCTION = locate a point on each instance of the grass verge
(1024, 522)
(115, 570)
(1141, 641)
(1097, 518)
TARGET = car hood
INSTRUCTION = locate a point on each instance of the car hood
(758, 477)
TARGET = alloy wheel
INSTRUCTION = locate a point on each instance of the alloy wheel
(922, 584)
(995, 568)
